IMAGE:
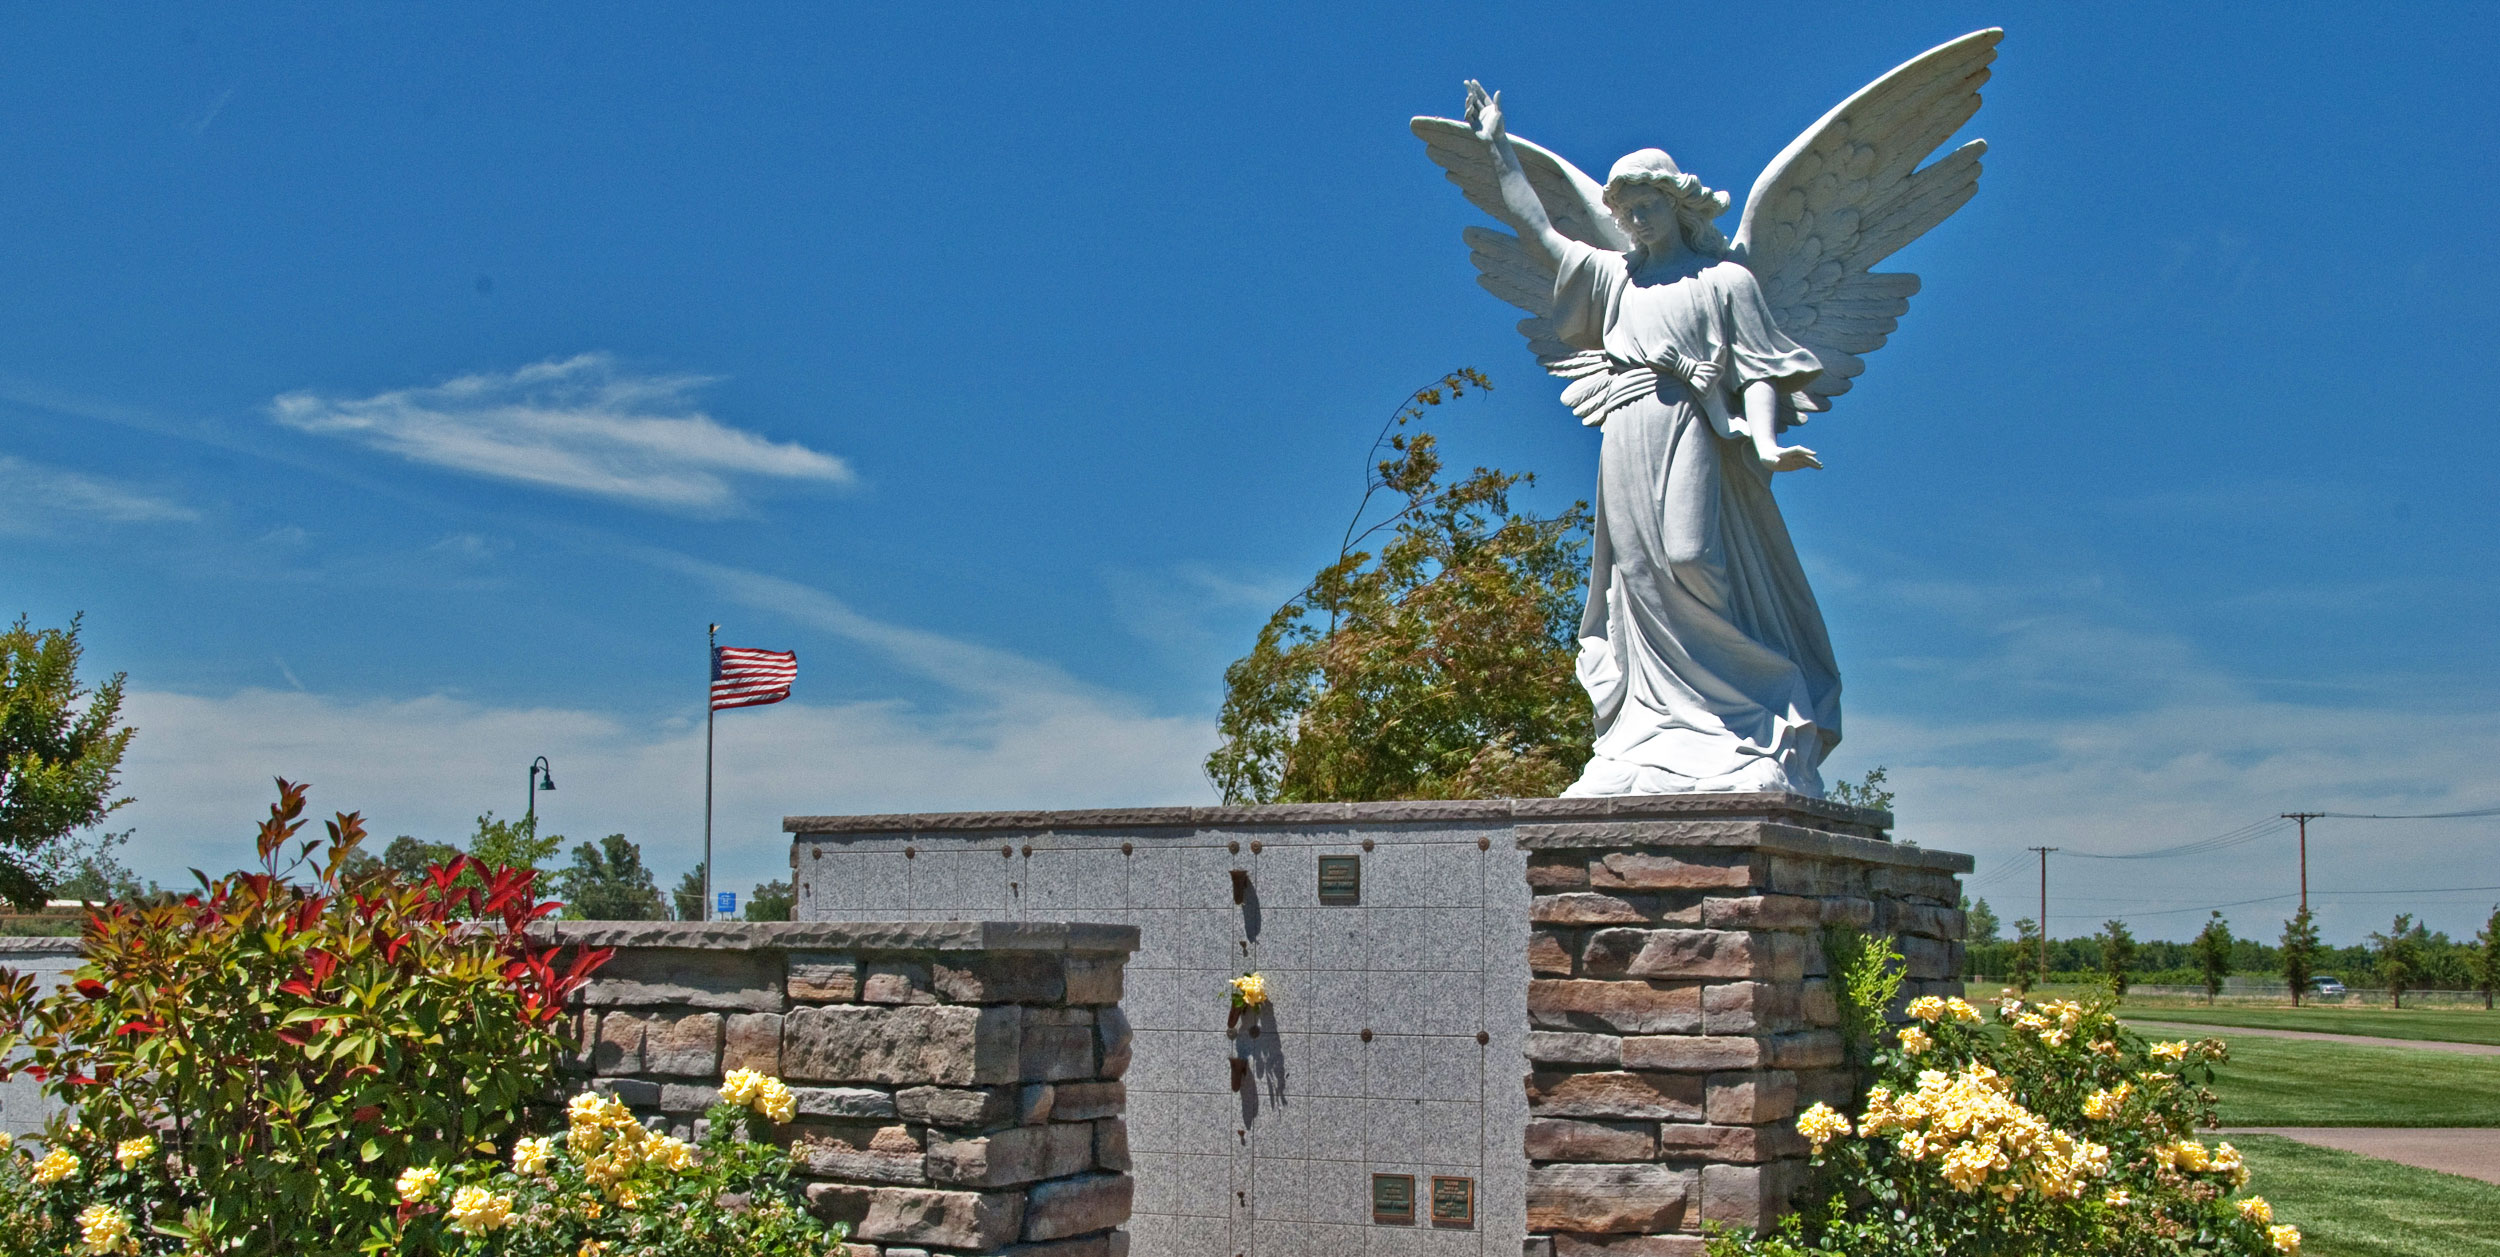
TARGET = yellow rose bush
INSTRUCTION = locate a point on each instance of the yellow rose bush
(608, 1186)
(2017, 1128)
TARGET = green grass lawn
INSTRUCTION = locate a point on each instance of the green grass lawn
(2299, 1082)
(2355, 1206)
(2445, 1025)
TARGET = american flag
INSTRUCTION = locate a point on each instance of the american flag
(743, 677)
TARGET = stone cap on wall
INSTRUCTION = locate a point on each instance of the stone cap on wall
(937, 936)
(39, 945)
(1821, 813)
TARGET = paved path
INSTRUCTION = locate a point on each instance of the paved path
(2357, 1040)
(2471, 1151)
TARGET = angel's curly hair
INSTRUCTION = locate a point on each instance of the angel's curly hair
(1697, 207)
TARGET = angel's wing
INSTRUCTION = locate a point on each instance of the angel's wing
(1506, 268)
(1846, 194)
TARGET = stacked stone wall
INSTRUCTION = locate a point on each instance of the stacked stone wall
(959, 1084)
(1681, 1012)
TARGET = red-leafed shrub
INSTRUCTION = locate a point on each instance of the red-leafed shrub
(279, 1046)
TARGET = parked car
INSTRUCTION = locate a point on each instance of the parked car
(2327, 986)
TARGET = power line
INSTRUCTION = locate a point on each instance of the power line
(2250, 832)
(2405, 816)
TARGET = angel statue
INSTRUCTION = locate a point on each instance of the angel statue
(1702, 647)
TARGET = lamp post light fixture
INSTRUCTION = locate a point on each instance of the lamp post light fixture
(540, 779)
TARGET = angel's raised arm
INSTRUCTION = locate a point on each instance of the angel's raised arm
(1525, 212)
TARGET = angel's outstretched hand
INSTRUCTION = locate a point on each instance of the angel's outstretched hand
(1484, 111)
(1792, 458)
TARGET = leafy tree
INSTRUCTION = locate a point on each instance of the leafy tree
(2300, 954)
(1868, 791)
(58, 763)
(773, 901)
(88, 870)
(1981, 921)
(608, 882)
(687, 899)
(2032, 952)
(2118, 954)
(1440, 667)
(2212, 950)
(2486, 958)
(410, 856)
(511, 844)
(2399, 953)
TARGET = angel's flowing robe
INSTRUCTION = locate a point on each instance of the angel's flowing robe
(1702, 647)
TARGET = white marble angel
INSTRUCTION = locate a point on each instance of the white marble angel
(1702, 647)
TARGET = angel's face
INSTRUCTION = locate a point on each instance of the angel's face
(1648, 215)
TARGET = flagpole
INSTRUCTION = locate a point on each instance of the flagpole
(711, 662)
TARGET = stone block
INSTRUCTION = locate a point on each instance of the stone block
(1854, 911)
(1094, 980)
(1569, 1139)
(752, 1041)
(1835, 1087)
(896, 982)
(1742, 1145)
(1114, 1039)
(1002, 978)
(955, 1107)
(1808, 1049)
(1625, 1007)
(1816, 1005)
(1574, 1049)
(1616, 1094)
(1550, 953)
(1748, 1008)
(1034, 1102)
(747, 981)
(1681, 954)
(1694, 1052)
(1629, 1246)
(640, 1093)
(1763, 912)
(1096, 1245)
(843, 1102)
(1743, 1099)
(1929, 959)
(907, 1215)
(1683, 870)
(862, 1152)
(941, 1044)
(1058, 1043)
(619, 1048)
(684, 1047)
(1586, 908)
(1111, 1144)
(1604, 1199)
(1074, 1206)
(1018, 1154)
(1747, 1197)
(578, 1055)
(1085, 1101)
(824, 977)
(685, 1097)
(1560, 871)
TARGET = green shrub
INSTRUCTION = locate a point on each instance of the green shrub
(2046, 1129)
(277, 1051)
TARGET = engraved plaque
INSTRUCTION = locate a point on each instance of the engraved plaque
(1453, 1201)
(1393, 1199)
(1340, 880)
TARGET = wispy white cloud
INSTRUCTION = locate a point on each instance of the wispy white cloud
(578, 425)
(36, 498)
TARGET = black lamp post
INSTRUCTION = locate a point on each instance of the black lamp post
(540, 779)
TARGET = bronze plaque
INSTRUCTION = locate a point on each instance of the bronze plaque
(1393, 1199)
(1453, 1201)
(1340, 880)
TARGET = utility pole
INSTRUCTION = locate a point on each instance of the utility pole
(2304, 818)
(2044, 911)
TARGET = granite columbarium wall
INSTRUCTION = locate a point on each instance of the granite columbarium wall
(1559, 1027)
(959, 1084)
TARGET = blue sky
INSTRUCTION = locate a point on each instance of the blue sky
(399, 391)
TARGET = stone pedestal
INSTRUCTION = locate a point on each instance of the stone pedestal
(1681, 1010)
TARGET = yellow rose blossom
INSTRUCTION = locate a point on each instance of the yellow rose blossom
(2285, 1238)
(1961, 1010)
(1250, 990)
(591, 1248)
(477, 1211)
(418, 1182)
(55, 1166)
(2104, 1104)
(1821, 1124)
(6, 1139)
(105, 1229)
(1926, 1008)
(776, 1101)
(2255, 1209)
(131, 1152)
(1970, 1126)
(530, 1156)
(2106, 1047)
(741, 1086)
(2170, 1051)
(2116, 1198)
(1915, 1041)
